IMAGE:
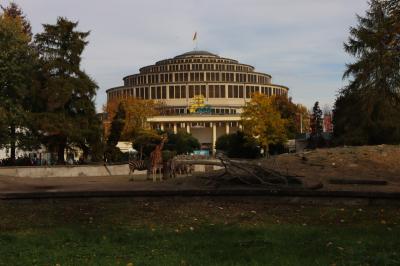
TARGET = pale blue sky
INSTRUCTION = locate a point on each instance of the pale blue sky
(298, 42)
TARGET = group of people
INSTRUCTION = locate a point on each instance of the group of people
(24, 160)
(35, 160)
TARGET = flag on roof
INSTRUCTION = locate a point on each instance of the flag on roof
(195, 36)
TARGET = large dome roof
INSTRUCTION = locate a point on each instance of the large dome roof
(196, 53)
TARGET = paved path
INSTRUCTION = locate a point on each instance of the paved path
(114, 186)
(82, 183)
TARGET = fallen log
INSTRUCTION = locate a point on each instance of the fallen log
(345, 181)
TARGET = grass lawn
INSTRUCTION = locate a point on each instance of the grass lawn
(199, 231)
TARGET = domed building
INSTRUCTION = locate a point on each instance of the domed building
(202, 92)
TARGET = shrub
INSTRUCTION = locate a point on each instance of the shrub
(182, 142)
(238, 145)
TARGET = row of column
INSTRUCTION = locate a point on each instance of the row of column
(213, 127)
(131, 91)
(258, 78)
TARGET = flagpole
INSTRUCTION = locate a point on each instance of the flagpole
(195, 40)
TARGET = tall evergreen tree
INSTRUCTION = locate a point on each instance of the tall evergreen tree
(316, 121)
(117, 126)
(367, 111)
(17, 64)
(66, 114)
(316, 138)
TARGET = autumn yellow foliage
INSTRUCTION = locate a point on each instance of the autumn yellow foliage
(304, 115)
(262, 120)
(136, 113)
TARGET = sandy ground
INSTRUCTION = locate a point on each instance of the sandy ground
(368, 162)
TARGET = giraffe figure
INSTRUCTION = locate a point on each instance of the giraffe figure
(156, 159)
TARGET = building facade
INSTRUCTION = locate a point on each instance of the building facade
(202, 92)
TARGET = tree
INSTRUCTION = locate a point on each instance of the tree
(367, 111)
(17, 64)
(303, 119)
(316, 138)
(15, 12)
(238, 145)
(94, 148)
(137, 111)
(145, 140)
(344, 120)
(316, 121)
(182, 142)
(261, 119)
(66, 115)
(291, 112)
(117, 126)
(3, 126)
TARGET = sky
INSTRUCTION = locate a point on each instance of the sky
(298, 42)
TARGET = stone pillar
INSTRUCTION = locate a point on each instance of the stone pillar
(214, 137)
(175, 128)
(167, 92)
(188, 128)
(207, 90)
(227, 128)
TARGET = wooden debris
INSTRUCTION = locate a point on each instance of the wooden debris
(251, 174)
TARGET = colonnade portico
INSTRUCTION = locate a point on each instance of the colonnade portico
(200, 126)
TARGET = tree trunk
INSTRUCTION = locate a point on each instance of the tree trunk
(266, 151)
(13, 139)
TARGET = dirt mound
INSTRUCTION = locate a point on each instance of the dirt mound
(366, 162)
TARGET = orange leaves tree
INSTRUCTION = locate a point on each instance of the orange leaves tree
(136, 113)
(261, 119)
